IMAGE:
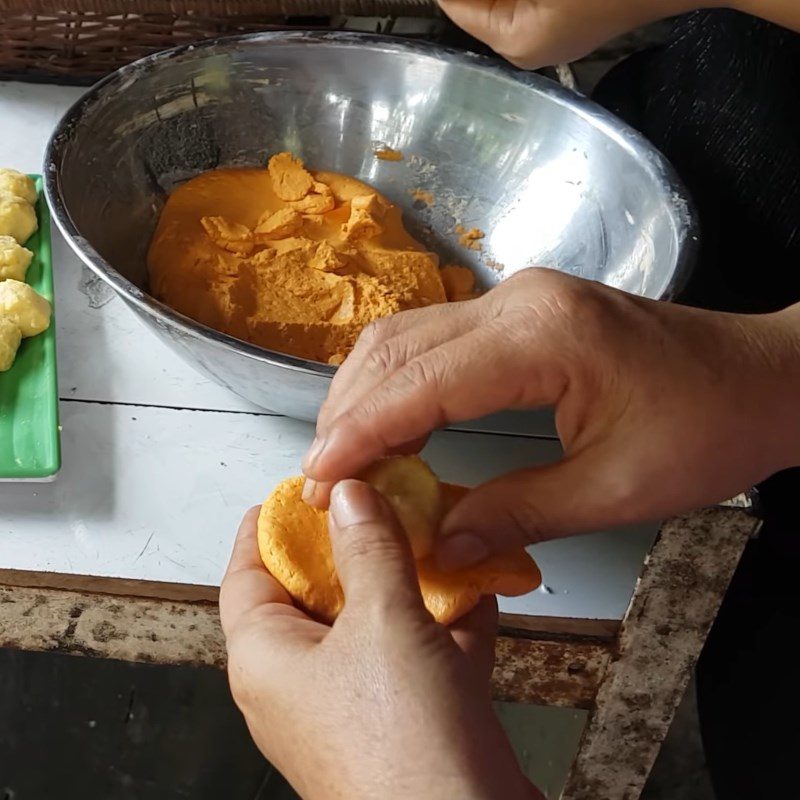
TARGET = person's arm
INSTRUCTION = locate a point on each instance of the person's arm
(660, 408)
(538, 33)
(386, 703)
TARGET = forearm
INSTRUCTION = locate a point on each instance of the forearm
(783, 361)
(789, 375)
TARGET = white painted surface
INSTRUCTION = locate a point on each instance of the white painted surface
(28, 114)
(156, 493)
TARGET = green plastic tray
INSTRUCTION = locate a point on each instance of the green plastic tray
(30, 447)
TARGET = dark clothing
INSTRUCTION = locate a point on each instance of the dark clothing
(722, 101)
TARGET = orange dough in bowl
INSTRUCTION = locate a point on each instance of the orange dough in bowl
(294, 545)
(291, 260)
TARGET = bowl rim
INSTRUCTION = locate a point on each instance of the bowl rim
(679, 200)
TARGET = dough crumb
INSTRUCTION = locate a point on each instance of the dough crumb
(470, 238)
(278, 225)
(318, 201)
(230, 236)
(327, 259)
(290, 179)
(422, 196)
(364, 222)
(387, 154)
(459, 283)
(495, 265)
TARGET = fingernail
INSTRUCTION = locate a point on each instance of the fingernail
(309, 490)
(314, 452)
(352, 503)
(459, 551)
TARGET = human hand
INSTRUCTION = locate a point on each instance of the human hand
(386, 703)
(660, 408)
(538, 33)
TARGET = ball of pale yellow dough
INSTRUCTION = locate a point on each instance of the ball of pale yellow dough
(17, 217)
(17, 183)
(14, 259)
(10, 338)
(27, 309)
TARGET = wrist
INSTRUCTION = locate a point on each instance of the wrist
(773, 342)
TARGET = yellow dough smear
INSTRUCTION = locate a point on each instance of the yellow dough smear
(288, 259)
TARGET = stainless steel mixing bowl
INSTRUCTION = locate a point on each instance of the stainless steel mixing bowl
(551, 178)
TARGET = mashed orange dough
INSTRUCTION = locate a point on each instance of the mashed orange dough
(294, 546)
(288, 259)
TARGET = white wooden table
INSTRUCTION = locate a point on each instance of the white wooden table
(159, 465)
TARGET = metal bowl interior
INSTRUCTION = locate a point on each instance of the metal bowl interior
(551, 179)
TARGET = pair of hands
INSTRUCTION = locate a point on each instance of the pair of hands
(659, 407)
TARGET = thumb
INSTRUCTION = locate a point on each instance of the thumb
(578, 494)
(370, 550)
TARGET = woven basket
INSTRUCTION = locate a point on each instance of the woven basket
(82, 40)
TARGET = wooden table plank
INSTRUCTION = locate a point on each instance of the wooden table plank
(561, 672)
(675, 602)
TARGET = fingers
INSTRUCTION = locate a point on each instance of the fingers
(247, 585)
(475, 634)
(421, 369)
(475, 18)
(319, 494)
(382, 348)
(371, 552)
(581, 493)
(487, 369)
(245, 546)
(505, 27)
(389, 343)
